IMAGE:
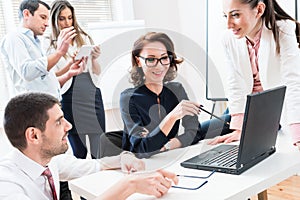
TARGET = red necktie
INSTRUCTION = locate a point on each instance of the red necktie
(48, 174)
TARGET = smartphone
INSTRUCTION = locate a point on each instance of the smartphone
(84, 51)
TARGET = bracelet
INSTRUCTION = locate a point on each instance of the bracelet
(168, 146)
(126, 152)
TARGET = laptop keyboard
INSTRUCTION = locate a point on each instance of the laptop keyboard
(226, 159)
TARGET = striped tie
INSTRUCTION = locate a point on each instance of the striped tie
(48, 174)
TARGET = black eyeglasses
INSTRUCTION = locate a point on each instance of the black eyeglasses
(193, 177)
(152, 62)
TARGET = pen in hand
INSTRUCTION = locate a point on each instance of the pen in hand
(201, 108)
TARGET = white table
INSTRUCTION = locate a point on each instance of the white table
(284, 163)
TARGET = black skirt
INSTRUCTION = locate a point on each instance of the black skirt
(82, 105)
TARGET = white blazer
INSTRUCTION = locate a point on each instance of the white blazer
(274, 69)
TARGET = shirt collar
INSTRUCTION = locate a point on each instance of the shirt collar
(29, 33)
(25, 164)
(256, 39)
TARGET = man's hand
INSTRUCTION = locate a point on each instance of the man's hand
(157, 183)
(129, 163)
(77, 67)
(230, 137)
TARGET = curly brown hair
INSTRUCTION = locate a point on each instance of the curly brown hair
(137, 73)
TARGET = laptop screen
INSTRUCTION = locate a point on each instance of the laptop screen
(261, 121)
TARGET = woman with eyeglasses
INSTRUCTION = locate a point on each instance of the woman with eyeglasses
(153, 109)
(262, 48)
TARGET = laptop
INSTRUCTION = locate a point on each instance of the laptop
(258, 139)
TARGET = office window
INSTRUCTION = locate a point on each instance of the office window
(86, 10)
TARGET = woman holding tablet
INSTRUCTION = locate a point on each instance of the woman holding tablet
(81, 100)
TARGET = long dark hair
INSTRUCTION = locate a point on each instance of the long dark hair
(273, 13)
(137, 73)
(56, 7)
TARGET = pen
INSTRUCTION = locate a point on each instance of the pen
(213, 115)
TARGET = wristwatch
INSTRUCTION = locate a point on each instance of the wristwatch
(167, 146)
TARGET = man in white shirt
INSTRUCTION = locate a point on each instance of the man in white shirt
(24, 59)
(35, 126)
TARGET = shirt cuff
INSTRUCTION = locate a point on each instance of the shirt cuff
(236, 121)
(295, 131)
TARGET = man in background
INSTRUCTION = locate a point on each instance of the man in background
(24, 59)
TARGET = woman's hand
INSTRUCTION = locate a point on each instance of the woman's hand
(230, 137)
(96, 51)
(184, 108)
(174, 143)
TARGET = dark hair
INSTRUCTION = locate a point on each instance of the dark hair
(23, 111)
(274, 12)
(137, 73)
(31, 5)
(56, 7)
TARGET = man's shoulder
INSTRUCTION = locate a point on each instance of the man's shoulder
(12, 37)
(14, 33)
(8, 169)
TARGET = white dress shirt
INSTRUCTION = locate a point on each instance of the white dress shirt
(26, 63)
(21, 179)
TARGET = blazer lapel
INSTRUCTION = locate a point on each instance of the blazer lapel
(245, 61)
(264, 54)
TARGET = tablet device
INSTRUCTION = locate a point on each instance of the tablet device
(84, 51)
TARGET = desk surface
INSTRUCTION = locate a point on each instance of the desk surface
(282, 164)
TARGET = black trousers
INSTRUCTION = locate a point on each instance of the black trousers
(65, 193)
